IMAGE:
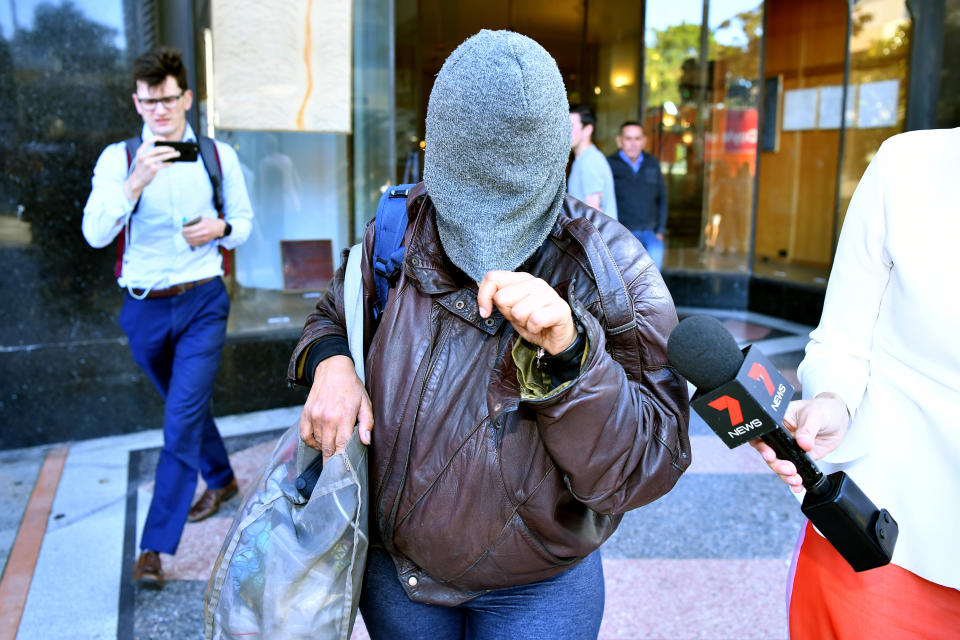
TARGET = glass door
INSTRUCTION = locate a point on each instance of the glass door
(702, 90)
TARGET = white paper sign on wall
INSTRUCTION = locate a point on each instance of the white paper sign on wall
(282, 65)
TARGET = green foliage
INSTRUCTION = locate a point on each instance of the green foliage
(672, 71)
(664, 59)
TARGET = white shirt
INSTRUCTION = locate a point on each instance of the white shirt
(889, 344)
(157, 256)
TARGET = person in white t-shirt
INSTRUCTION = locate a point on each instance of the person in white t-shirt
(591, 180)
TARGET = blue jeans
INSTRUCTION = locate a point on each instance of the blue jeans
(652, 244)
(569, 606)
(178, 342)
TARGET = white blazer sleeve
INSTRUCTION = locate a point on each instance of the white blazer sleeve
(838, 355)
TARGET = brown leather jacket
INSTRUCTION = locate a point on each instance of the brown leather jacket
(473, 488)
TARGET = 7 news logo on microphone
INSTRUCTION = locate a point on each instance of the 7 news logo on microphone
(740, 410)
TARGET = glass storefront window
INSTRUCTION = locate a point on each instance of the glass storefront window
(312, 192)
(702, 75)
(797, 182)
(672, 63)
(731, 133)
(298, 186)
(64, 96)
(812, 164)
(877, 91)
(769, 181)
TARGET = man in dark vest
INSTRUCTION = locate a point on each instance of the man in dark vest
(640, 191)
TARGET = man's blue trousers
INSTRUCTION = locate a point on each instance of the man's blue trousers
(178, 342)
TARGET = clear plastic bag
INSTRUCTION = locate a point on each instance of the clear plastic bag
(292, 567)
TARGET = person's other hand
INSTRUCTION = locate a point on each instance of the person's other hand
(818, 425)
(531, 305)
(149, 160)
(337, 402)
(203, 231)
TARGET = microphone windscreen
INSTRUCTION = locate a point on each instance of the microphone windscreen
(704, 352)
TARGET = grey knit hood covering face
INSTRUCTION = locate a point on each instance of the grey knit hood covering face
(497, 144)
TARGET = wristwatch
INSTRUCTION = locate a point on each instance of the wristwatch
(226, 229)
(566, 358)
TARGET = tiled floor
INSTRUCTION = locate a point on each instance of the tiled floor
(709, 560)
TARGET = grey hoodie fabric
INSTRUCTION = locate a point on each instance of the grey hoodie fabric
(497, 144)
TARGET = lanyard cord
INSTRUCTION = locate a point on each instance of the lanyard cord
(126, 246)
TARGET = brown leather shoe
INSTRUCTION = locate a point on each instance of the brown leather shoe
(148, 572)
(210, 500)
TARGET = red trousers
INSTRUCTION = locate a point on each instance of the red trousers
(828, 599)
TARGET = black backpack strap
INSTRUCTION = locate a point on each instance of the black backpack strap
(132, 144)
(211, 162)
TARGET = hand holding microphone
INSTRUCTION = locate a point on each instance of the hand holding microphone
(818, 425)
(742, 397)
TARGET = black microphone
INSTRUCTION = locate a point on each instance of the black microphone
(742, 396)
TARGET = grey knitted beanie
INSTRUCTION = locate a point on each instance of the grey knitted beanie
(497, 143)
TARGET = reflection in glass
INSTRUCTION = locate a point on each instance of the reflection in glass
(731, 136)
(800, 201)
(879, 68)
(797, 182)
(673, 94)
(703, 89)
(312, 193)
(65, 86)
(286, 206)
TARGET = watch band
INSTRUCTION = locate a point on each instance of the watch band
(227, 229)
(571, 355)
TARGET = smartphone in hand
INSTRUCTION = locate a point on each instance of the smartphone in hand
(188, 150)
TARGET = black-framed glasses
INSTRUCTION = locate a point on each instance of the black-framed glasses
(168, 102)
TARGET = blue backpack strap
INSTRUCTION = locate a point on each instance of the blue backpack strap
(388, 229)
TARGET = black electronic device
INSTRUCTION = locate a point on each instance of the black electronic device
(189, 151)
(307, 480)
(742, 396)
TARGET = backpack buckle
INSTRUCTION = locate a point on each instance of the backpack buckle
(385, 270)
